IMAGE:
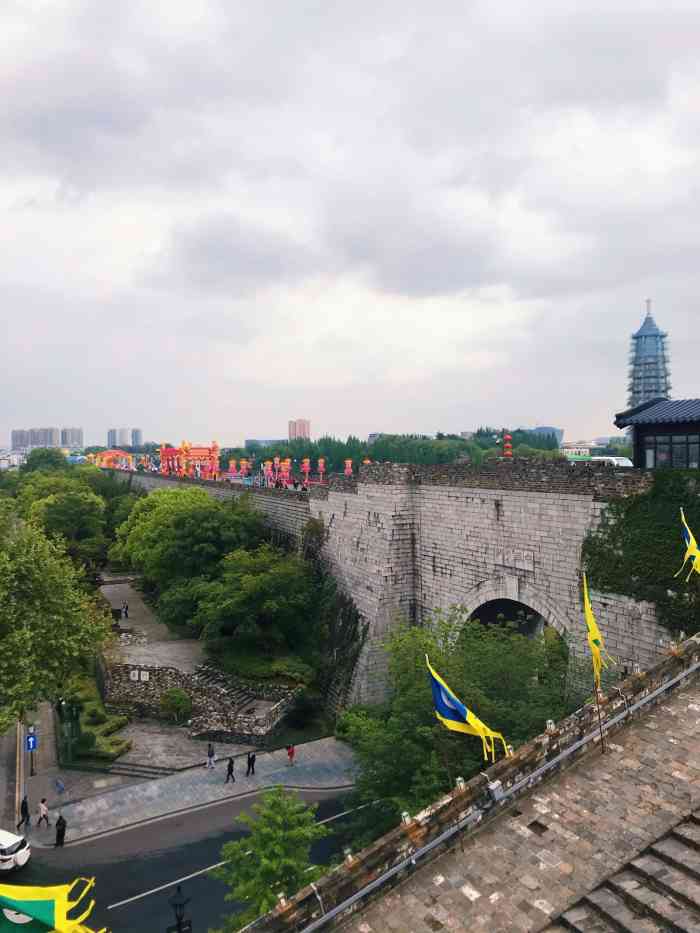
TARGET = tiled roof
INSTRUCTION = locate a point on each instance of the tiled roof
(660, 411)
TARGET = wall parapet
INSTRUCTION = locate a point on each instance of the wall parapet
(428, 834)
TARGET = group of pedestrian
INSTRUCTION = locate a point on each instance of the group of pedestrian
(43, 815)
(230, 771)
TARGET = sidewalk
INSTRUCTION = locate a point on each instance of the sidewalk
(325, 763)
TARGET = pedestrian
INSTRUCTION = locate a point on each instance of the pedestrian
(291, 751)
(251, 764)
(60, 830)
(59, 785)
(43, 812)
(24, 813)
(211, 757)
(230, 776)
(125, 609)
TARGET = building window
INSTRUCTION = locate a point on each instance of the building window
(681, 451)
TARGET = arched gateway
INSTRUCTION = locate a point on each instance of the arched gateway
(515, 589)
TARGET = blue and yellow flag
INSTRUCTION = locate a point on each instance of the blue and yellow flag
(25, 909)
(454, 715)
(691, 550)
(595, 639)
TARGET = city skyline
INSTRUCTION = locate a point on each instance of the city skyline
(429, 235)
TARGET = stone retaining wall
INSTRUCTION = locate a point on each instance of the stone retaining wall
(473, 799)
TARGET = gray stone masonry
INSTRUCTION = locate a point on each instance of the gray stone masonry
(405, 540)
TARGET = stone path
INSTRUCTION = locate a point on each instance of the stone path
(576, 830)
(326, 763)
(141, 617)
(166, 746)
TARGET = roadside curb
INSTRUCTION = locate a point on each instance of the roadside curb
(91, 837)
(19, 769)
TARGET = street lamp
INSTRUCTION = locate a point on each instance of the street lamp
(178, 904)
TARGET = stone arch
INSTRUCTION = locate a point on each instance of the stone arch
(521, 591)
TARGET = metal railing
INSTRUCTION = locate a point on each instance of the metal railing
(478, 813)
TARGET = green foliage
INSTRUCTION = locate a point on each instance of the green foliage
(44, 458)
(304, 710)
(95, 717)
(77, 517)
(638, 548)
(274, 858)
(244, 657)
(176, 704)
(175, 534)
(513, 683)
(97, 727)
(47, 625)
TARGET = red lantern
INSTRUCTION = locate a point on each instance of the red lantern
(348, 468)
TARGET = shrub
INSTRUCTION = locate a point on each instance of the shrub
(95, 717)
(175, 704)
(304, 710)
(114, 724)
(86, 743)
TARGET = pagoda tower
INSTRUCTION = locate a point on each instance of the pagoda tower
(649, 375)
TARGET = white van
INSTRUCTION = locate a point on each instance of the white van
(14, 851)
(615, 461)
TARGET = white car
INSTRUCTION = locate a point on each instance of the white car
(14, 851)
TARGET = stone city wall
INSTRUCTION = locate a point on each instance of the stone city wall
(405, 540)
(474, 799)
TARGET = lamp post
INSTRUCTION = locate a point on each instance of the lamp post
(178, 904)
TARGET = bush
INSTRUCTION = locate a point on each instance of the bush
(175, 704)
(95, 716)
(86, 743)
(304, 710)
(114, 724)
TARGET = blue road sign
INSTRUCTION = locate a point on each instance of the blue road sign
(32, 743)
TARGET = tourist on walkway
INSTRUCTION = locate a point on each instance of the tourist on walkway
(43, 813)
(291, 751)
(60, 830)
(211, 756)
(251, 764)
(59, 785)
(125, 609)
(230, 776)
(24, 812)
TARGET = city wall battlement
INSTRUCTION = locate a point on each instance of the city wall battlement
(404, 540)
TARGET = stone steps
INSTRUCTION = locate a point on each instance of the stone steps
(138, 770)
(658, 890)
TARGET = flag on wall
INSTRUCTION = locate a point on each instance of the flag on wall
(691, 550)
(454, 715)
(595, 639)
(29, 909)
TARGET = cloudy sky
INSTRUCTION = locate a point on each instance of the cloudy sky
(383, 216)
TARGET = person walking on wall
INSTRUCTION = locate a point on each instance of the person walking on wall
(251, 764)
(24, 813)
(125, 609)
(60, 831)
(43, 813)
(291, 751)
(230, 776)
(211, 757)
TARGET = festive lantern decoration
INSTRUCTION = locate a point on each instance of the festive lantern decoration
(348, 468)
(366, 461)
(233, 471)
(507, 445)
(306, 467)
(321, 468)
(244, 467)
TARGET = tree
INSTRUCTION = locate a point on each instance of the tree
(44, 458)
(176, 534)
(48, 624)
(264, 589)
(77, 517)
(273, 859)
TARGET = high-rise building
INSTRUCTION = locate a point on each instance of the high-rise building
(44, 437)
(649, 375)
(123, 437)
(112, 438)
(136, 437)
(19, 439)
(72, 437)
(299, 429)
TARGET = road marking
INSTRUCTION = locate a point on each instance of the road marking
(203, 871)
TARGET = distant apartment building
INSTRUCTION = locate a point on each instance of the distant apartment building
(299, 429)
(123, 437)
(265, 442)
(44, 437)
(19, 439)
(112, 438)
(371, 438)
(546, 429)
(72, 437)
(136, 437)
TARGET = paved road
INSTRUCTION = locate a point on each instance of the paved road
(135, 861)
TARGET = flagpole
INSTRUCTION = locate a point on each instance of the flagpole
(600, 722)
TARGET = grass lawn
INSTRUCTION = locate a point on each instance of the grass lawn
(243, 658)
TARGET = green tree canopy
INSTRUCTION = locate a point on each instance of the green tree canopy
(78, 517)
(47, 621)
(263, 589)
(44, 458)
(176, 534)
(274, 859)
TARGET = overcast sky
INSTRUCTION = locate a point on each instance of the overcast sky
(382, 216)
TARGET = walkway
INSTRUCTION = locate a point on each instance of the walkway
(326, 763)
(523, 870)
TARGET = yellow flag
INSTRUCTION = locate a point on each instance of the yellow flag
(691, 550)
(44, 908)
(595, 639)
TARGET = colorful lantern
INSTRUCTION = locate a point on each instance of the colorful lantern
(232, 468)
(348, 468)
(321, 468)
(507, 445)
(306, 467)
(244, 467)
